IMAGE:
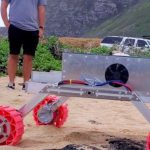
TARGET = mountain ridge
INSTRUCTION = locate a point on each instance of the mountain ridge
(75, 18)
(133, 22)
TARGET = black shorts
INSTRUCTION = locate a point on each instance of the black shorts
(18, 38)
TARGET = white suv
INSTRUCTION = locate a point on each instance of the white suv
(126, 43)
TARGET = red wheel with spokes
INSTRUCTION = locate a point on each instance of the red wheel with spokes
(44, 116)
(11, 126)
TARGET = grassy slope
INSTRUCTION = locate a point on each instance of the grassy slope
(133, 22)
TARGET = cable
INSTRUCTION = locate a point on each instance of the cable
(105, 83)
(72, 82)
(117, 82)
(125, 85)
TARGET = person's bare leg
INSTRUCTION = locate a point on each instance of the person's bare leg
(12, 67)
(27, 67)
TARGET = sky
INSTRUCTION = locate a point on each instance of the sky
(1, 22)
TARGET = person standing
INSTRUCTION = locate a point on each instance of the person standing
(25, 25)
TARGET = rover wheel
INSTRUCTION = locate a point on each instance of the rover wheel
(44, 116)
(11, 126)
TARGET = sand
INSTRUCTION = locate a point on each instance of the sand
(90, 122)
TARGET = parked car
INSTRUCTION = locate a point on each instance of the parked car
(126, 43)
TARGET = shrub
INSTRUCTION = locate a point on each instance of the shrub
(102, 50)
(4, 51)
(44, 60)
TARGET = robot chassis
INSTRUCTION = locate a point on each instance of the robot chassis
(125, 79)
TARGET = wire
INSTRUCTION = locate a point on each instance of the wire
(125, 85)
(117, 82)
(72, 82)
(107, 82)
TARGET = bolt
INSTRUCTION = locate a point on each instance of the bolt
(89, 93)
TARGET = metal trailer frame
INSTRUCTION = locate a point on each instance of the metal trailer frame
(85, 92)
(77, 67)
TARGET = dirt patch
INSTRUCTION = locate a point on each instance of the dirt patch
(126, 144)
(114, 144)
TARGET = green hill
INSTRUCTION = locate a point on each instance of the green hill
(73, 18)
(133, 22)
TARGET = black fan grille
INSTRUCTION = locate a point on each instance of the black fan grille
(117, 72)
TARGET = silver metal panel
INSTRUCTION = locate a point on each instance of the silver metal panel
(95, 92)
(80, 66)
(34, 87)
(87, 92)
(140, 105)
(46, 77)
(26, 108)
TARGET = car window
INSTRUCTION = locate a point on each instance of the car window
(141, 43)
(112, 40)
(129, 42)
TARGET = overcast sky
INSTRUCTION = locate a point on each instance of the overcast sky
(1, 22)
